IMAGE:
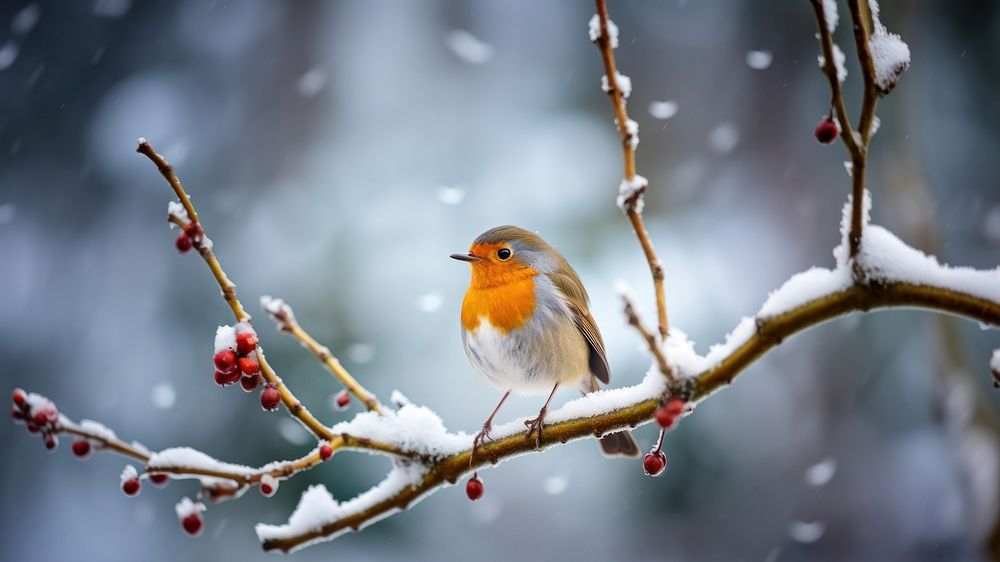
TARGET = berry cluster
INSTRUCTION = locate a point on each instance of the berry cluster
(236, 360)
(192, 233)
(38, 414)
(666, 417)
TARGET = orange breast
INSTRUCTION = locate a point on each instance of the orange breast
(505, 297)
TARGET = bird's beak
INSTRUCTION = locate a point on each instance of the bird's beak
(465, 257)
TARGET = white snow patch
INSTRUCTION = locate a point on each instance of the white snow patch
(399, 399)
(628, 189)
(890, 57)
(317, 507)
(412, 428)
(174, 208)
(98, 429)
(129, 473)
(831, 14)
(191, 458)
(594, 30)
(186, 507)
(723, 138)
(804, 287)
(623, 82)
(632, 129)
(225, 338)
(468, 48)
(276, 308)
(839, 61)
(759, 60)
(663, 109)
(995, 361)
(821, 473)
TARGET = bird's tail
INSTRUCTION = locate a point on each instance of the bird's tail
(619, 443)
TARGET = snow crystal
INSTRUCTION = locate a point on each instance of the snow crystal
(361, 353)
(98, 429)
(129, 473)
(468, 48)
(663, 109)
(317, 507)
(595, 30)
(174, 208)
(292, 431)
(8, 54)
(26, 19)
(839, 61)
(831, 14)
(7, 212)
(723, 138)
(429, 302)
(555, 485)
(759, 60)
(450, 195)
(623, 82)
(312, 82)
(821, 473)
(186, 507)
(890, 56)
(164, 396)
(630, 189)
(806, 533)
(225, 338)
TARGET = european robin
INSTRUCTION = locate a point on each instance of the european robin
(526, 326)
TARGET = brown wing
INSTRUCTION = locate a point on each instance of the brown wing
(569, 283)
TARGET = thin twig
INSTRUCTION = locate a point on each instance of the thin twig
(632, 209)
(282, 315)
(292, 404)
(636, 322)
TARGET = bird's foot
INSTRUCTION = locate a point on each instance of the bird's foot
(480, 438)
(536, 426)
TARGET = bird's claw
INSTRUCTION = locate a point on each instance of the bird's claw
(536, 426)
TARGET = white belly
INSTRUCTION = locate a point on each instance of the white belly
(529, 360)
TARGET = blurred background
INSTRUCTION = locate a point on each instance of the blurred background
(339, 151)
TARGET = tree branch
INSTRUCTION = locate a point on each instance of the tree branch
(282, 315)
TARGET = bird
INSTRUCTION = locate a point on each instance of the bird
(527, 328)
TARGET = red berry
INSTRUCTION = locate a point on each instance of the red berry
(193, 524)
(268, 485)
(226, 379)
(654, 462)
(16, 414)
(225, 360)
(249, 382)
(343, 400)
(246, 342)
(474, 488)
(40, 418)
(158, 478)
(131, 486)
(193, 230)
(827, 131)
(663, 417)
(184, 243)
(325, 452)
(675, 406)
(270, 398)
(51, 442)
(81, 448)
(32, 427)
(248, 365)
(19, 397)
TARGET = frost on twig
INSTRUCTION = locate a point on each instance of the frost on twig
(890, 54)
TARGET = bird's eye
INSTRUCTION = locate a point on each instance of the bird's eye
(504, 254)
